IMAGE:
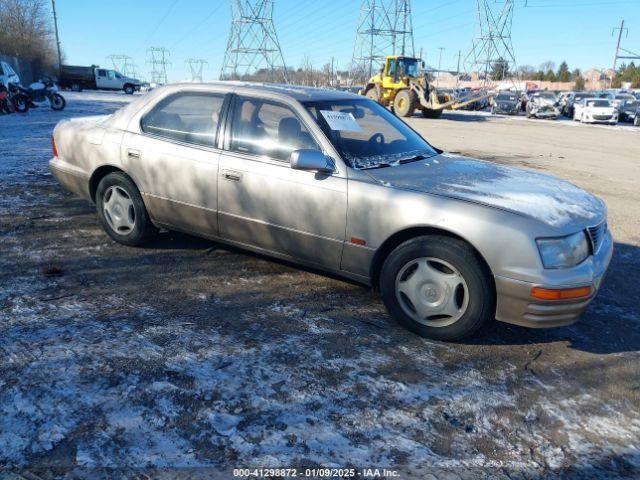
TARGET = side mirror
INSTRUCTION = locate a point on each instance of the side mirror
(313, 160)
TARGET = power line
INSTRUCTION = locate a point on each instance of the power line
(253, 42)
(384, 28)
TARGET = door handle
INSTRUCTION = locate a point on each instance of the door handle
(231, 175)
(134, 154)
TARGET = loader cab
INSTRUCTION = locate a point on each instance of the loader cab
(397, 69)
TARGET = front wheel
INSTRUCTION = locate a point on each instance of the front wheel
(437, 287)
(405, 103)
(57, 102)
(122, 212)
(20, 103)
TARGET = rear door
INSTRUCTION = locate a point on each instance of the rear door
(174, 159)
(263, 202)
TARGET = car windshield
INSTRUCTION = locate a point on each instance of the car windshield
(598, 103)
(583, 95)
(367, 135)
(506, 97)
(631, 104)
(548, 95)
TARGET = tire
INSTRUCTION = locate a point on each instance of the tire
(128, 89)
(20, 103)
(57, 102)
(430, 113)
(636, 121)
(405, 103)
(76, 87)
(372, 93)
(473, 299)
(128, 223)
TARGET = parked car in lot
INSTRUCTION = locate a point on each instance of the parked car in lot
(620, 98)
(542, 105)
(627, 110)
(576, 98)
(595, 110)
(505, 102)
(336, 182)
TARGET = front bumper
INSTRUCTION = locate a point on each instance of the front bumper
(515, 304)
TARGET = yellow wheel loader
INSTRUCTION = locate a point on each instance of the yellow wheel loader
(399, 87)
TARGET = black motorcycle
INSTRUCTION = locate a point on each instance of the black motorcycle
(18, 100)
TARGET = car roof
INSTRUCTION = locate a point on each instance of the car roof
(297, 92)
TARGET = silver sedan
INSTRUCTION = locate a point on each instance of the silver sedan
(336, 182)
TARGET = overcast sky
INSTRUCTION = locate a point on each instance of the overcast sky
(578, 31)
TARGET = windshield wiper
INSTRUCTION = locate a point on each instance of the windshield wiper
(377, 165)
(412, 159)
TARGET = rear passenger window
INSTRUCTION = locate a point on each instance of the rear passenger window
(268, 129)
(188, 117)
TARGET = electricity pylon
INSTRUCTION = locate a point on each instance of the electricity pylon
(196, 65)
(253, 42)
(384, 28)
(492, 48)
(123, 64)
(158, 59)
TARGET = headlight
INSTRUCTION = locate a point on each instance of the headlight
(563, 252)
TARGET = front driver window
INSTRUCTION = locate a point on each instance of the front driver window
(186, 117)
(268, 129)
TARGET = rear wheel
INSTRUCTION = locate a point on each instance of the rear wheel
(128, 89)
(20, 103)
(437, 287)
(636, 121)
(76, 87)
(405, 103)
(122, 212)
(430, 113)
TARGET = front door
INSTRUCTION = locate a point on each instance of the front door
(174, 159)
(263, 202)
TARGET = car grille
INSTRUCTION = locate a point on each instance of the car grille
(596, 235)
(602, 117)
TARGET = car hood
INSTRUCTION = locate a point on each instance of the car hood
(548, 199)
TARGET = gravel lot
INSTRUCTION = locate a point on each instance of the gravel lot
(193, 357)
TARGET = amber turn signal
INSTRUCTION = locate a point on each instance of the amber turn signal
(560, 293)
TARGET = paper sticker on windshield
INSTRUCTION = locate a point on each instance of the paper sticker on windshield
(340, 121)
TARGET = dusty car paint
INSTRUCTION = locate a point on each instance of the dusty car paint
(344, 222)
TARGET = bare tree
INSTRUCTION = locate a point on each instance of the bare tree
(25, 32)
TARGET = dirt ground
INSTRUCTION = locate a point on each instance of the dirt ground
(185, 359)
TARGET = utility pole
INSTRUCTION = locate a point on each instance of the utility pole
(458, 68)
(439, 65)
(55, 26)
(384, 28)
(253, 42)
(620, 29)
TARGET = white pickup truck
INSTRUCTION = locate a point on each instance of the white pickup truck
(96, 78)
